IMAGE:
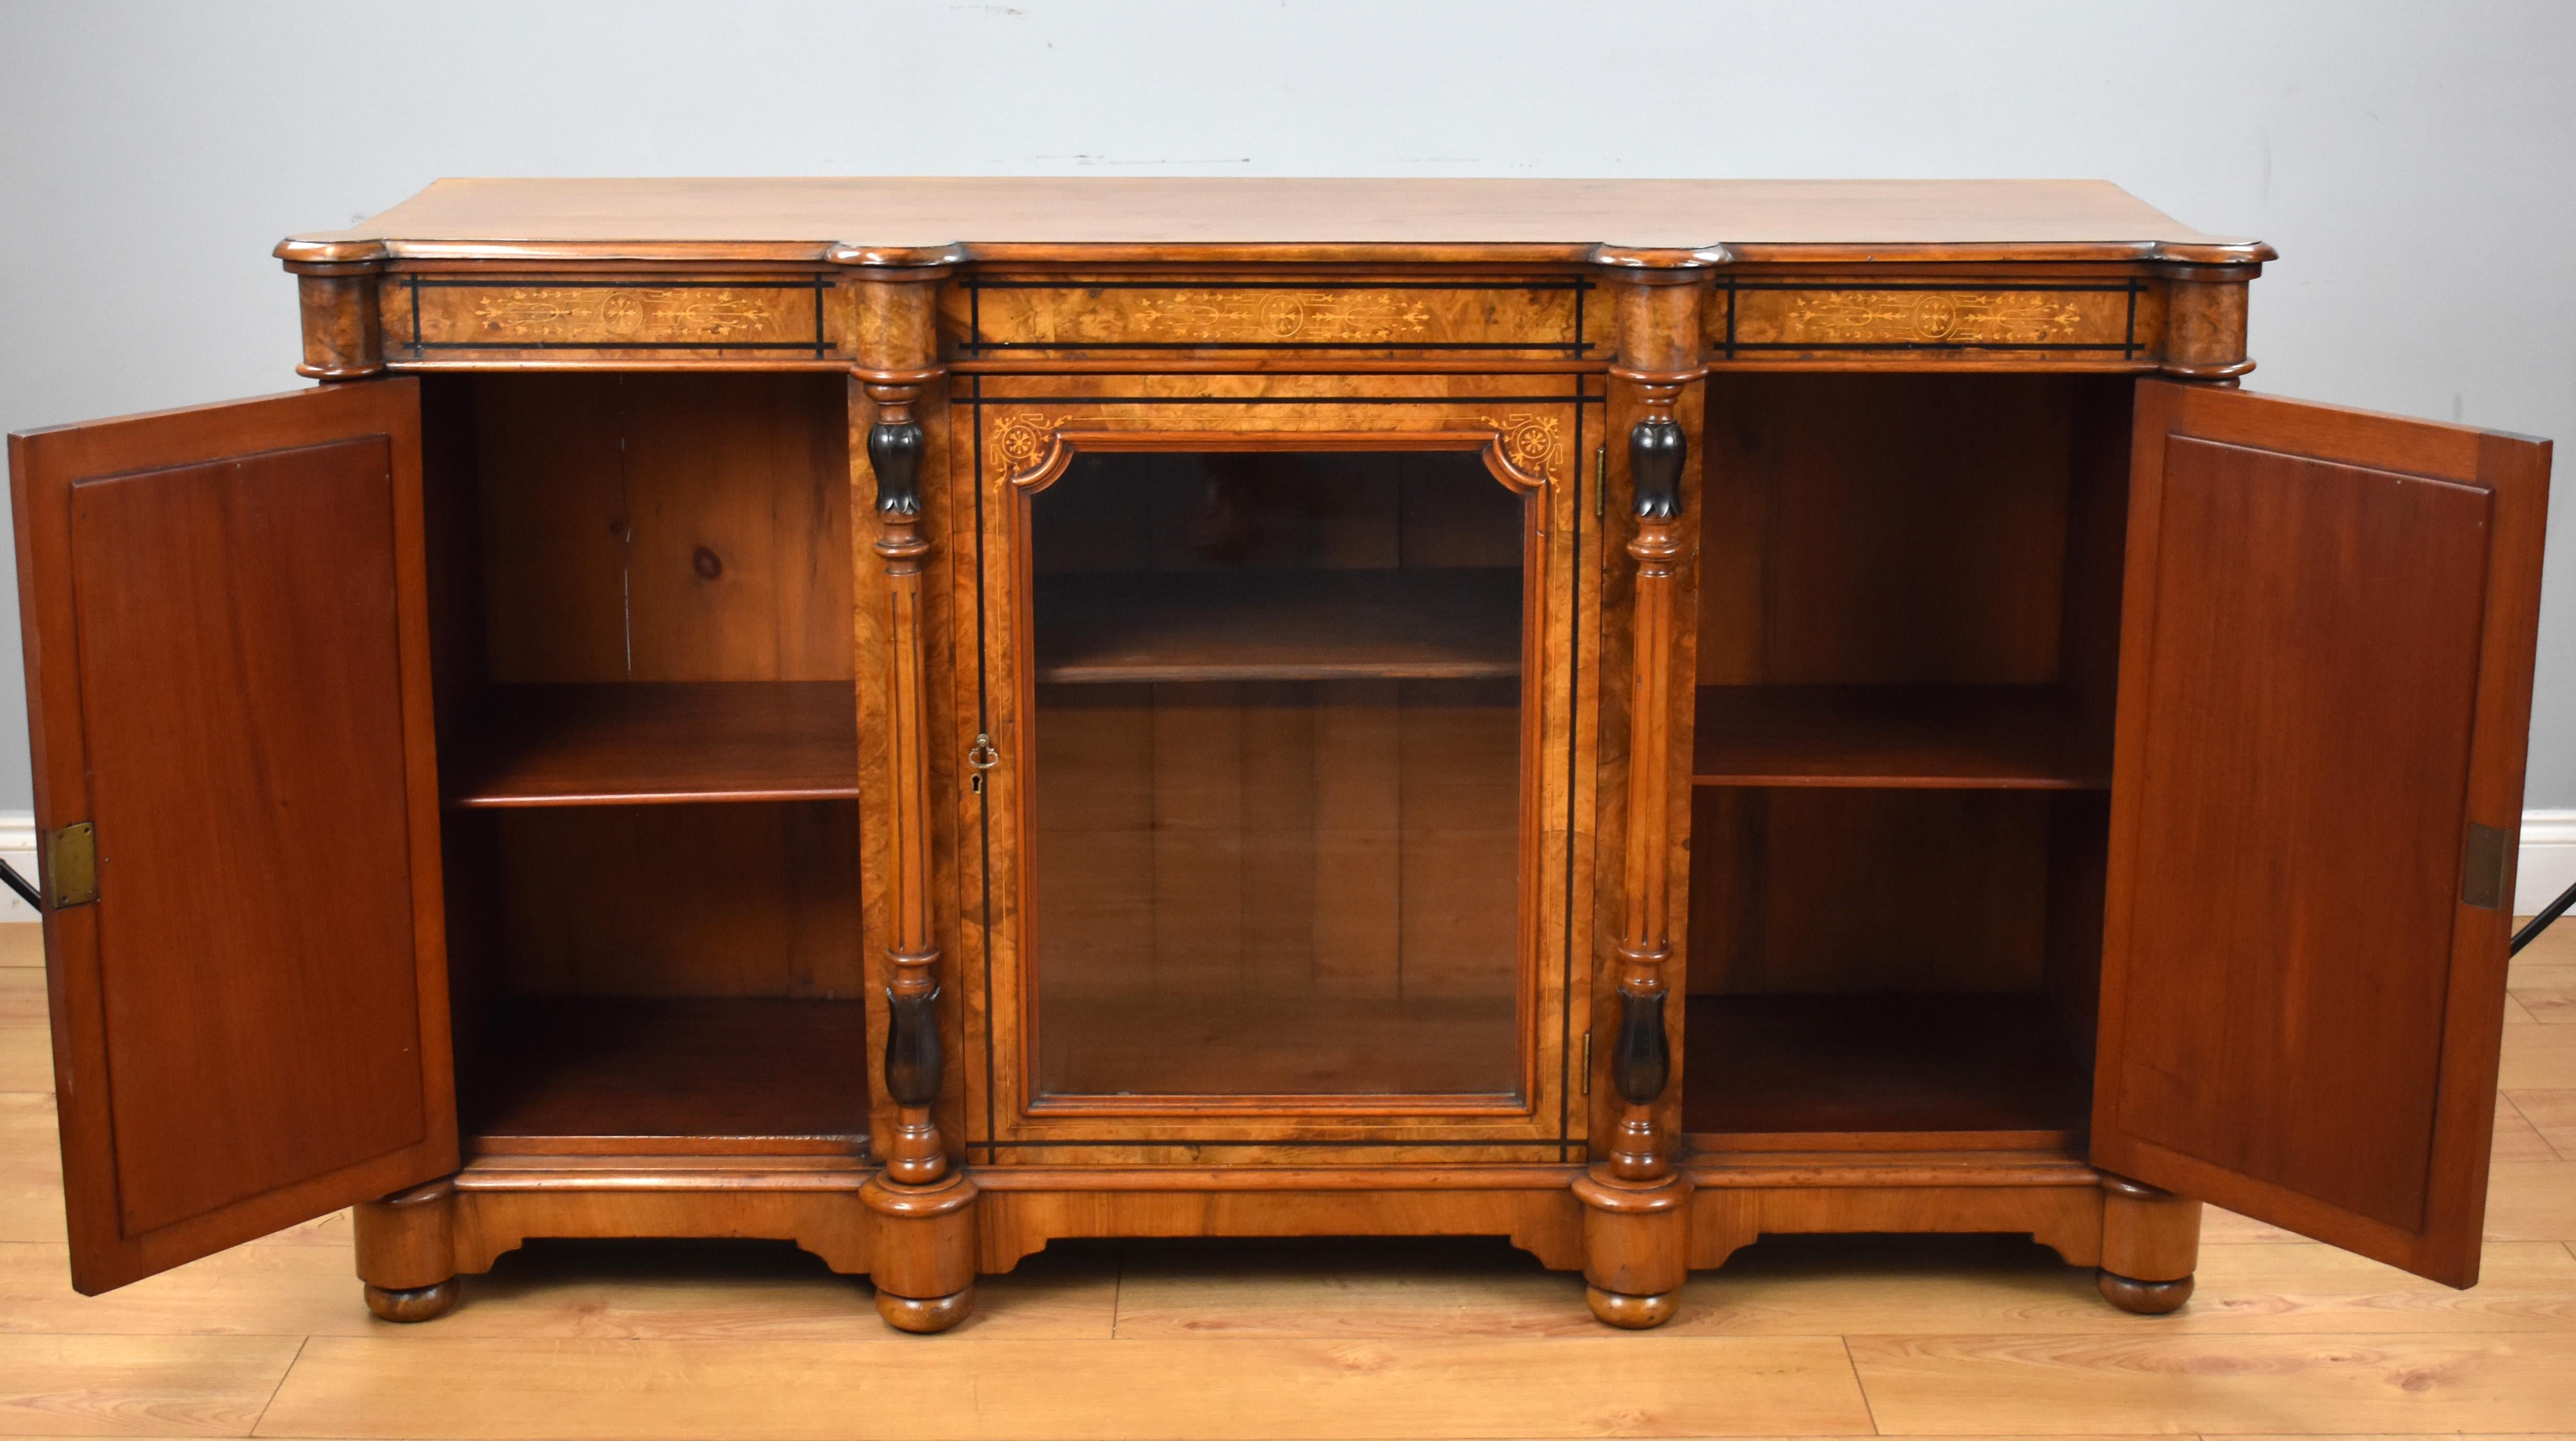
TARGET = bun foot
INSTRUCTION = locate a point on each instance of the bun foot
(2145, 1298)
(420, 1303)
(1632, 1313)
(923, 1317)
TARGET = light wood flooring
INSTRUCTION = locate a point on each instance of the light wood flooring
(1382, 1339)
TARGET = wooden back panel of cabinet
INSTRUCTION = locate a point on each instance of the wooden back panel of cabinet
(2325, 691)
(663, 527)
(227, 662)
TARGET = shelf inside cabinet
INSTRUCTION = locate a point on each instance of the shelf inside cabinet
(1251, 625)
(1969, 737)
(1836, 1072)
(641, 743)
(671, 1075)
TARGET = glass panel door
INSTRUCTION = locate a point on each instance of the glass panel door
(1278, 773)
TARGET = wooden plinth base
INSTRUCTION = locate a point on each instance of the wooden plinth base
(412, 1245)
(1025, 1207)
(923, 1246)
(2145, 1241)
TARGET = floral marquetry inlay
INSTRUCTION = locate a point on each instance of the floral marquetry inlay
(1788, 318)
(1529, 442)
(502, 317)
(624, 314)
(1020, 440)
(1959, 317)
(1013, 314)
(1317, 317)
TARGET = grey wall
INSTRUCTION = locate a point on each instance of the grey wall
(2416, 164)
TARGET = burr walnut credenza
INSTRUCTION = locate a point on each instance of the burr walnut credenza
(922, 717)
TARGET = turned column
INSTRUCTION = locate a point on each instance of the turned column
(1636, 1225)
(924, 1256)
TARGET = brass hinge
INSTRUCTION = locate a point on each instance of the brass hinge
(1601, 480)
(71, 866)
(2482, 868)
(1587, 1063)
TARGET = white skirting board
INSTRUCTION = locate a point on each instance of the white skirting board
(18, 848)
(2548, 860)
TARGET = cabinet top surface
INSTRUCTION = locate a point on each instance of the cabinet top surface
(872, 220)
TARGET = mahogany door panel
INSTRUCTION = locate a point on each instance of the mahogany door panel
(228, 680)
(2325, 687)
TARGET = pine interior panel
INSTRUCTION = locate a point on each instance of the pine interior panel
(2024, 737)
(1443, 624)
(660, 742)
(1886, 529)
(1273, 1044)
(1235, 880)
(1816, 890)
(650, 527)
(1800, 1072)
(703, 900)
(624, 1075)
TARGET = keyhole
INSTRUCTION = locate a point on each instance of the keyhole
(706, 563)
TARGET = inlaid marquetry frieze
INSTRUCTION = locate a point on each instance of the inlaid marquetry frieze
(1753, 320)
(1004, 316)
(424, 317)
(1317, 317)
(1957, 317)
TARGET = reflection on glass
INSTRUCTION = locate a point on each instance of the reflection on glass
(1277, 791)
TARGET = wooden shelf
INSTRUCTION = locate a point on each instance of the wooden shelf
(1879, 1072)
(1965, 737)
(686, 1075)
(1279, 625)
(637, 743)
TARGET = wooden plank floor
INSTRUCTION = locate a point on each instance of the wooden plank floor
(1948, 1337)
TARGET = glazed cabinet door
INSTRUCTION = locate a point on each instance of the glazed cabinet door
(1280, 749)
(2325, 688)
(228, 690)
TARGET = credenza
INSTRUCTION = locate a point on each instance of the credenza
(924, 717)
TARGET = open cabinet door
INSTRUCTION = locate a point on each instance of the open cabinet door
(2325, 688)
(236, 792)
